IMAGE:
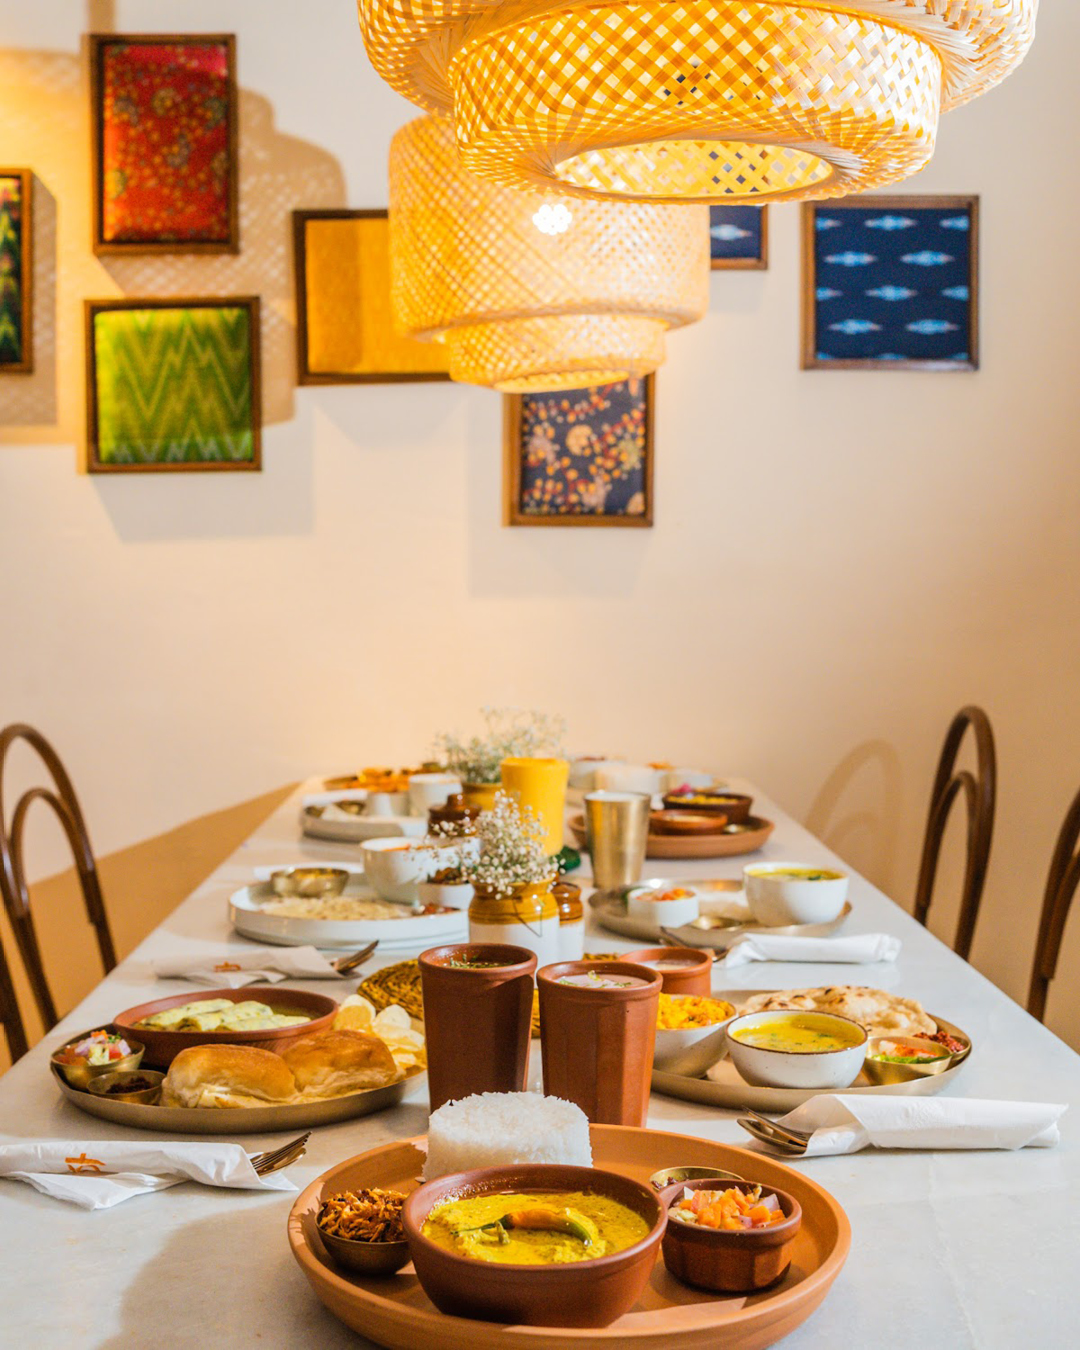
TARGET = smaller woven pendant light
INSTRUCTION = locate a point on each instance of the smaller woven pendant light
(529, 290)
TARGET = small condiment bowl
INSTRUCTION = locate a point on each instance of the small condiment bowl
(882, 1071)
(692, 1051)
(368, 1258)
(734, 805)
(777, 900)
(729, 1261)
(79, 1075)
(686, 822)
(451, 894)
(677, 1176)
(589, 1293)
(311, 883)
(764, 1066)
(104, 1085)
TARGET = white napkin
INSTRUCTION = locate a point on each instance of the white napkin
(855, 950)
(844, 1123)
(253, 965)
(97, 1175)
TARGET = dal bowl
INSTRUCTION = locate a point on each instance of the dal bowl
(786, 893)
(784, 1067)
(589, 1293)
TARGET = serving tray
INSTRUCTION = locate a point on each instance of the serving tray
(730, 842)
(610, 910)
(248, 917)
(240, 1120)
(728, 1090)
(394, 1311)
(313, 824)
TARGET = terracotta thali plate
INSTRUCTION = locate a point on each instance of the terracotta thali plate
(394, 1311)
(730, 842)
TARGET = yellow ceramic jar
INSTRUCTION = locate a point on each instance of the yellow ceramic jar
(540, 785)
(528, 917)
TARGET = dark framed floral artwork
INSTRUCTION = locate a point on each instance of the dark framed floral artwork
(164, 124)
(173, 385)
(581, 456)
(891, 283)
(738, 237)
(16, 272)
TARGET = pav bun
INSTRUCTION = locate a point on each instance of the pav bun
(227, 1076)
(331, 1063)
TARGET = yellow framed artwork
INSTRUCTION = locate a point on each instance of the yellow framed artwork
(344, 325)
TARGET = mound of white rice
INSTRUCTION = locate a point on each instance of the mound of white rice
(497, 1129)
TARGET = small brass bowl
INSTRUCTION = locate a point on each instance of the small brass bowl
(882, 1072)
(675, 1176)
(80, 1075)
(310, 883)
(369, 1258)
(100, 1086)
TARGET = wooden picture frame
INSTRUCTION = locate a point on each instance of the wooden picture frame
(907, 341)
(316, 363)
(735, 256)
(514, 451)
(223, 241)
(23, 309)
(99, 461)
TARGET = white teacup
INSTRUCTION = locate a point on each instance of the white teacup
(387, 804)
(431, 789)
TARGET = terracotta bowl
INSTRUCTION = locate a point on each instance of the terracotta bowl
(590, 1293)
(729, 1261)
(367, 1258)
(735, 805)
(162, 1047)
(692, 976)
(686, 822)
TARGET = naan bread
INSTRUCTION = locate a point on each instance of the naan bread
(880, 1013)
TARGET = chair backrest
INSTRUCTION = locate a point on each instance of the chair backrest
(10, 1016)
(1061, 884)
(979, 790)
(13, 885)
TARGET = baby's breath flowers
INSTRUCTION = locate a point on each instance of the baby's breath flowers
(508, 733)
(511, 850)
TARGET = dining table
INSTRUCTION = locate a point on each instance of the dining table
(949, 1249)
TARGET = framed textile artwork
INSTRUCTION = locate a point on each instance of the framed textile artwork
(173, 384)
(164, 120)
(580, 456)
(891, 283)
(738, 236)
(344, 325)
(16, 272)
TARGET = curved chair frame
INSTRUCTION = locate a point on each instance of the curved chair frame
(64, 803)
(10, 1016)
(1061, 884)
(979, 790)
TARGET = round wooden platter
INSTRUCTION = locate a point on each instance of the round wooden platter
(731, 842)
(395, 1311)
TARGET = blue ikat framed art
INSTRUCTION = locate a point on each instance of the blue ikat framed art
(738, 236)
(891, 283)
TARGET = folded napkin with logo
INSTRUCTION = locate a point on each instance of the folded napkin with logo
(253, 965)
(98, 1175)
(859, 949)
(844, 1123)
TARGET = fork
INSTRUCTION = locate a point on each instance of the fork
(774, 1141)
(275, 1159)
(346, 963)
(789, 1131)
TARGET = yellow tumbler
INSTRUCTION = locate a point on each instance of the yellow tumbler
(541, 785)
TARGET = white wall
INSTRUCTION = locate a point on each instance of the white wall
(839, 561)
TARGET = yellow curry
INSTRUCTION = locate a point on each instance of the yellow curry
(801, 1035)
(538, 1228)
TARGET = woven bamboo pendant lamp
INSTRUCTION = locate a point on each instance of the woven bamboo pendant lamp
(696, 100)
(534, 290)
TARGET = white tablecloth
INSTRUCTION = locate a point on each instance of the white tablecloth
(949, 1250)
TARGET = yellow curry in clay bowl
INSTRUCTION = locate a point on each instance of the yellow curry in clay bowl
(797, 1049)
(536, 1244)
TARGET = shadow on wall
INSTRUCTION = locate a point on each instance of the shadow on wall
(45, 113)
(142, 885)
(844, 816)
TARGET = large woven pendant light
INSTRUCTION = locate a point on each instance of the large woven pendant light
(696, 100)
(533, 290)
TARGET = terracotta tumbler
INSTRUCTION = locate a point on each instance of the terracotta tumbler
(477, 1018)
(597, 1044)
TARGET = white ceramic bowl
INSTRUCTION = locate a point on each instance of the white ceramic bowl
(394, 866)
(641, 903)
(430, 789)
(796, 1068)
(777, 900)
(454, 895)
(691, 1050)
(387, 804)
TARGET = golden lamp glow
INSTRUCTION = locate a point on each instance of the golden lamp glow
(697, 100)
(530, 291)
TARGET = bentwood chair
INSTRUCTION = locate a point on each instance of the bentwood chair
(1061, 884)
(10, 1016)
(13, 885)
(979, 790)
